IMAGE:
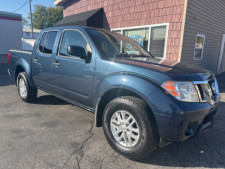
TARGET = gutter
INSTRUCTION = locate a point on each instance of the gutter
(182, 30)
(60, 2)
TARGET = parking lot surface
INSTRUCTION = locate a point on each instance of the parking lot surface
(51, 133)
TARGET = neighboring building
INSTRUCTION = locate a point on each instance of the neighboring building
(186, 31)
(27, 40)
(10, 32)
(27, 33)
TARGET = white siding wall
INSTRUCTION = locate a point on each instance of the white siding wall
(10, 35)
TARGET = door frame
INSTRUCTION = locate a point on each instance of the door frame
(221, 54)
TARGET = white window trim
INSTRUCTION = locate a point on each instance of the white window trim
(203, 36)
(149, 26)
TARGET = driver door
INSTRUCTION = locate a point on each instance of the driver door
(72, 77)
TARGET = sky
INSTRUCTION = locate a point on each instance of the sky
(22, 6)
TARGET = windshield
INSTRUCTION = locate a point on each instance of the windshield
(113, 45)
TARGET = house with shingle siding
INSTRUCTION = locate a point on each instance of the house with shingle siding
(186, 31)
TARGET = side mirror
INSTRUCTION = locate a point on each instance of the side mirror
(77, 51)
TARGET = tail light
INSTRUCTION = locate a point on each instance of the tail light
(8, 58)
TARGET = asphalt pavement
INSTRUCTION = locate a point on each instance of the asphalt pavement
(51, 133)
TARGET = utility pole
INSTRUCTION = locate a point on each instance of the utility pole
(31, 21)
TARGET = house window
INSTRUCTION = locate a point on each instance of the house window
(199, 47)
(157, 41)
(119, 31)
(153, 38)
(141, 36)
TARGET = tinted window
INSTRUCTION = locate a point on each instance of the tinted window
(74, 38)
(157, 41)
(49, 42)
(41, 45)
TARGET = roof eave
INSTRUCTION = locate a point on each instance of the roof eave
(60, 2)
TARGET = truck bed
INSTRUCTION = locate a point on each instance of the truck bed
(17, 54)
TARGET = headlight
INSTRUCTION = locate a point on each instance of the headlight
(183, 91)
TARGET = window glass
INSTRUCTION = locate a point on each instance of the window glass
(199, 42)
(141, 36)
(117, 31)
(41, 44)
(115, 46)
(49, 43)
(74, 38)
(157, 41)
(199, 46)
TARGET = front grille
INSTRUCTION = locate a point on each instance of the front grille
(208, 91)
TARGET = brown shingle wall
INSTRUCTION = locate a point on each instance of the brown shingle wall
(128, 13)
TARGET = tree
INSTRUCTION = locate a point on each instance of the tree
(45, 17)
(25, 22)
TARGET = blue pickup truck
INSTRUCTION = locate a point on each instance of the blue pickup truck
(141, 104)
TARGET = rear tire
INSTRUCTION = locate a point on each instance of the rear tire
(26, 92)
(130, 128)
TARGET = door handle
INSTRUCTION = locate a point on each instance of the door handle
(56, 63)
(35, 59)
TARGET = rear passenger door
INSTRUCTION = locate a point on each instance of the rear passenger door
(42, 60)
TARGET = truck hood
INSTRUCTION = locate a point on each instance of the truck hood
(179, 71)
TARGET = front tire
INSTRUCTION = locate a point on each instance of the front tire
(130, 128)
(26, 92)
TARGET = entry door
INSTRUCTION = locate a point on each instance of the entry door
(72, 77)
(221, 63)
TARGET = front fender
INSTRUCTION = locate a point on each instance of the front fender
(130, 82)
(139, 85)
(24, 64)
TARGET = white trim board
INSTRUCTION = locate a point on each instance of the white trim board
(221, 54)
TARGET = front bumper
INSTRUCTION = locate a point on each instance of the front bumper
(187, 125)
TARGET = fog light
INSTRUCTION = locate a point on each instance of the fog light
(189, 132)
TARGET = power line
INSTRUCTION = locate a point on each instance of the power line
(21, 6)
(44, 3)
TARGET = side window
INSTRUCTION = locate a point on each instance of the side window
(75, 38)
(199, 47)
(41, 44)
(47, 42)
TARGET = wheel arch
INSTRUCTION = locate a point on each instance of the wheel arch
(112, 94)
(23, 66)
(18, 70)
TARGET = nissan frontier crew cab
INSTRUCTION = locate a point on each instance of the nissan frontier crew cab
(141, 103)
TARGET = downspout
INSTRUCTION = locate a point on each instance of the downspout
(182, 31)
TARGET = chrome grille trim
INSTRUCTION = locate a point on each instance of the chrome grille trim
(205, 91)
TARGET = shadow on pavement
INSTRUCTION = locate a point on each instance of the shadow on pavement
(49, 100)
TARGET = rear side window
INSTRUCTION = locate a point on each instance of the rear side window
(47, 42)
(42, 42)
